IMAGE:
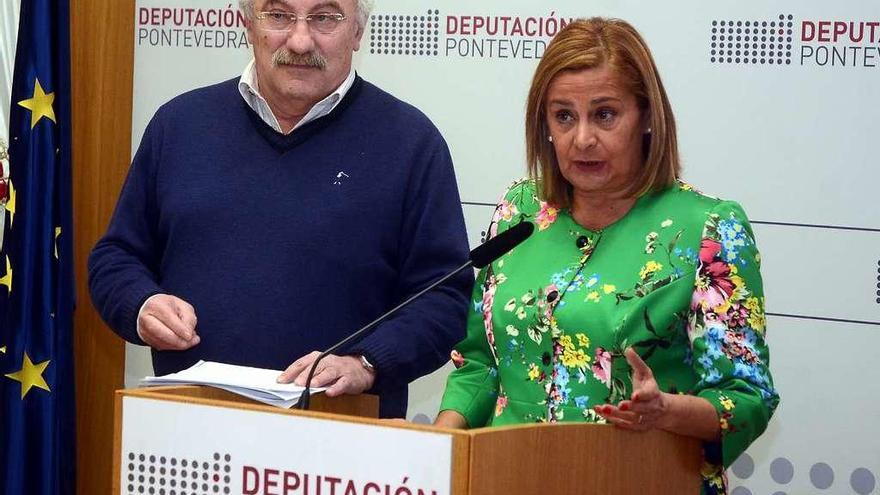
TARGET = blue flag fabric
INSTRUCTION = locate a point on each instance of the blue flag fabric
(37, 422)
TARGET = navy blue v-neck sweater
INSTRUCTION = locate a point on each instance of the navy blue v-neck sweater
(285, 244)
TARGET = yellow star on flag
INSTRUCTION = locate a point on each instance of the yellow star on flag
(7, 279)
(10, 203)
(57, 233)
(40, 104)
(30, 375)
(3, 350)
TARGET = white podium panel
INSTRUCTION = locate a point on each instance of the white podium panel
(177, 448)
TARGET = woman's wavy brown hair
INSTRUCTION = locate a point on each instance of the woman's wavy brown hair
(593, 43)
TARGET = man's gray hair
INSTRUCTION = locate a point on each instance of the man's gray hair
(363, 10)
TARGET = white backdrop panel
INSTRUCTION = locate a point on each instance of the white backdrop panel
(791, 141)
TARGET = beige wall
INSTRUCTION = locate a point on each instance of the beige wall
(101, 51)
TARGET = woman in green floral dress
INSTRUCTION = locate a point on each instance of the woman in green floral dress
(638, 300)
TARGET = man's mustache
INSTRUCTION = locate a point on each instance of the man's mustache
(283, 56)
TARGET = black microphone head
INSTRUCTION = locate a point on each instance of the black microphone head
(497, 246)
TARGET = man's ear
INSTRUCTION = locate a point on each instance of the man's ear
(249, 30)
(357, 38)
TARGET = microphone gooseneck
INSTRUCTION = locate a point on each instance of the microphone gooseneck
(479, 257)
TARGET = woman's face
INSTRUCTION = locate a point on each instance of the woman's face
(597, 129)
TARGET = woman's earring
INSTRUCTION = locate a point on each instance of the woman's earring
(648, 130)
(550, 138)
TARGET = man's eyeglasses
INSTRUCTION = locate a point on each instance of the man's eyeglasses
(322, 22)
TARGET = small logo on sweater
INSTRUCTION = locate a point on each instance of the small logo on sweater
(340, 178)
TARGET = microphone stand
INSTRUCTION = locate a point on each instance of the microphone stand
(303, 402)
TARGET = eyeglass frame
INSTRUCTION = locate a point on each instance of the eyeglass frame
(293, 18)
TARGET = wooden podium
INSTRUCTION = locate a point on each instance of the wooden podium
(187, 440)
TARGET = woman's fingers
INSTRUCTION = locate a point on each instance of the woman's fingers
(641, 371)
(627, 419)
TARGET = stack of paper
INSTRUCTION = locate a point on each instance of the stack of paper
(255, 383)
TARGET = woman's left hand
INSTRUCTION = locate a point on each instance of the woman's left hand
(648, 405)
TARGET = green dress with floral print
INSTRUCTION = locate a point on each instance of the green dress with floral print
(677, 278)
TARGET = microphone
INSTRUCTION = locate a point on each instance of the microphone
(479, 257)
(495, 247)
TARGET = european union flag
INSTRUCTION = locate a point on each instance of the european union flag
(37, 425)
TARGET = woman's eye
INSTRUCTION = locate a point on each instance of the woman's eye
(605, 115)
(564, 116)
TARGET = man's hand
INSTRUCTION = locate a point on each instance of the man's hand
(343, 374)
(168, 323)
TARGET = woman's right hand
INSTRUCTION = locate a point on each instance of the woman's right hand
(450, 419)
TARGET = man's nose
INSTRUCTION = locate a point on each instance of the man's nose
(299, 38)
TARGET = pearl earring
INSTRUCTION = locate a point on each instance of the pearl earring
(648, 130)
(550, 138)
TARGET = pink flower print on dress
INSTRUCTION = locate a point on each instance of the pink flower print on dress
(737, 316)
(506, 211)
(602, 366)
(714, 285)
(500, 404)
(737, 347)
(457, 358)
(488, 299)
(546, 216)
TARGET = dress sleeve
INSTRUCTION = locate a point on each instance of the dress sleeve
(472, 388)
(726, 330)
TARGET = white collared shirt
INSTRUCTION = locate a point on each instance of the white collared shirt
(250, 91)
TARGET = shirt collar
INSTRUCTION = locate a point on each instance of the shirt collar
(250, 91)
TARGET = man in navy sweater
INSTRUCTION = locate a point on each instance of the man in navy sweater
(271, 215)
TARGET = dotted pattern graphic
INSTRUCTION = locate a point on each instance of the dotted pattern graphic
(160, 475)
(408, 35)
(752, 42)
(822, 476)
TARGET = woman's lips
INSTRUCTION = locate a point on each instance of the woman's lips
(589, 164)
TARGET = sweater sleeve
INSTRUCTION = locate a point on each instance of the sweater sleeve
(726, 331)
(123, 265)
(432, 242)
